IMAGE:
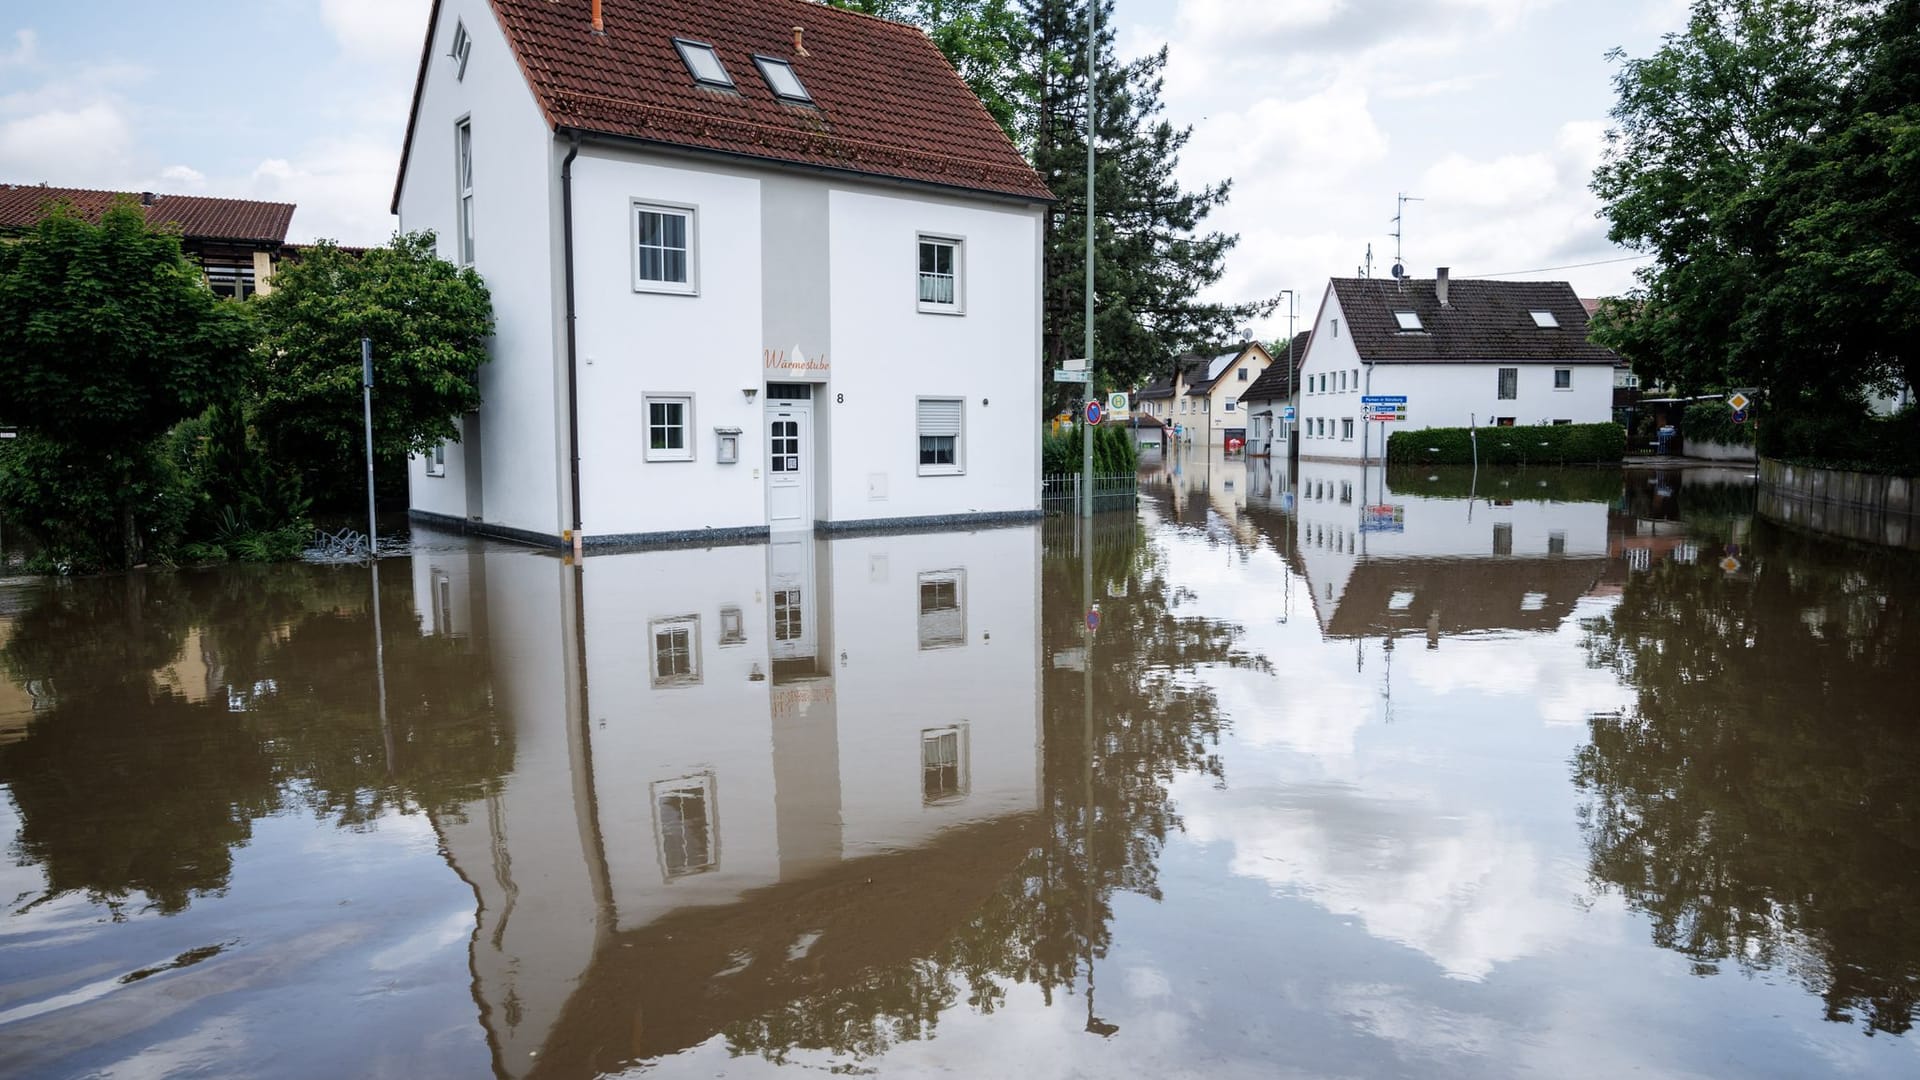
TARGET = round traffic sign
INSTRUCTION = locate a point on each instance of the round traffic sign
(1094, 412)
(1093, 619)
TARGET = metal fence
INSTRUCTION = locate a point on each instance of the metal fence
(1060, 493)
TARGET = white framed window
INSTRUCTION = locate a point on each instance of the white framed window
(1509, 383)
(1356, 378)
(1544, 319)
(1231, 402)
(943, 609)
(1346, 429)
(676, 650)
(943, 764)
(686, 825)
(437, 460)
(781, 79)
(1336, 327)
(940, 429)
(462, 48)
(1562, 378)
(463, 182)
(665, 248)
(669, 427)
(703, 63)
(1407, 320)
(940, 275)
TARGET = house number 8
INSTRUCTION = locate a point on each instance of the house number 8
(839, 399)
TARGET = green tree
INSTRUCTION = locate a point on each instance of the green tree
(429, 321)
(108, 337)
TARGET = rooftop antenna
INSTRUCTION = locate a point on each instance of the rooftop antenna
(1400, 212)
(1369, 269)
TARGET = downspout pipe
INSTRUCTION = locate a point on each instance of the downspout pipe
(573, 346)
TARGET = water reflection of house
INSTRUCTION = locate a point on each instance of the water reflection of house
(736, 768)
(1376, 559)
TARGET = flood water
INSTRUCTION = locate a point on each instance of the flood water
(1417, 774)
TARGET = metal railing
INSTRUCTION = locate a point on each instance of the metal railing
(1060, 493)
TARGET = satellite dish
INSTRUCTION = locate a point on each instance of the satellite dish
(1399, 271)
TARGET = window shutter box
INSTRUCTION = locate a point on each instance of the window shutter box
(940, 418)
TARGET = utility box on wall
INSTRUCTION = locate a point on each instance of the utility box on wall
(727, 448)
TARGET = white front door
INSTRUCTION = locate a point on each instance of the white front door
(789, 465)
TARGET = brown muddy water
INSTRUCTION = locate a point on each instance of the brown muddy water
(1417, 775)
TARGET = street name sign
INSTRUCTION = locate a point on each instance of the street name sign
(1384, 399)
(1070, 375)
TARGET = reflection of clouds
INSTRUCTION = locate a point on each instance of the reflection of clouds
(1550, 669)
(1427, 1031)
(1462, 889)
(1320, 717)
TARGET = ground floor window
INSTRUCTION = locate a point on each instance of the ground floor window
(940, 421)
(943, 764)
(669, 428)
(684, 823)
(943, 612)
(437, 460)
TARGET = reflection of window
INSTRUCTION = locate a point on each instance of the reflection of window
(733, 626)
(787, 614)
(442, 605)
(943, 764)
(943, 615)
(684, 823)
(1533, 601)
(676, 651)
(1503, 538)
(1639, 558)
(1556, 543)
(1400, 601)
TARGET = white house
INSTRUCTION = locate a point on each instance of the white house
(1266, 400)
(1489, 353)
(1202, 396)
(755, 267)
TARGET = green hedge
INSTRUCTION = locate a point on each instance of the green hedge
(1875, 444)
(1113, 451)
(1712, 421)
(1551, 444)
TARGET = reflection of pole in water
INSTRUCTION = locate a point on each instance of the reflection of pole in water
(1386, 689)
(380, 661)
(1095, 1025)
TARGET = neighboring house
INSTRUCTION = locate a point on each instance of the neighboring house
(1489, 353)
(237, 242)
(754, 267)
(1202, 396)
(1272, 392)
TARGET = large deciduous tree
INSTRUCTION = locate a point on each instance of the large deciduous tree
(108, 337)
(429, 321)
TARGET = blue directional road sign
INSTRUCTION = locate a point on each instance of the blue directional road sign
(1384, 399)
(1287, 413)
(1094, 412)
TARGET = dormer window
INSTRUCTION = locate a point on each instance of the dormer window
(786, 85)
(462, 47)
(703, 63)
(1545, 320)
(1408, 320)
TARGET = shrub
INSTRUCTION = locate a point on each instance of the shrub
(1825, 440)
(1552, 444)
(1712, 421)
(1113, 451)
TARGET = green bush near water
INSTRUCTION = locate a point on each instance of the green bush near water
(1551, 444)
(1113, 451)
(1712, 421)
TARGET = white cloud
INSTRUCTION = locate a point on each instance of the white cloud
(26, 49)
(376, 30)
(57, 144)
(183, 176)
(342, 186)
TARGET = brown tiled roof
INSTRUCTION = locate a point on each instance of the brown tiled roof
(886, 102)
(1272, 383)
(197, 216)
(1485, 320)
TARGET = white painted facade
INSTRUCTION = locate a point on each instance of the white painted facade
(798, 277)
(790, 737)
(1334, 378)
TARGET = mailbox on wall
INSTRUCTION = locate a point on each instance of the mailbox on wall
(727, 448)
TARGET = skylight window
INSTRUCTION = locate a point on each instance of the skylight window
(779, 75)
(1408, 320)
(704, 63)
(1545, 320)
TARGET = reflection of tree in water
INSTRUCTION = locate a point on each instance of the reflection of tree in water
(1152, 721)
(1760, 803)
(180, 707)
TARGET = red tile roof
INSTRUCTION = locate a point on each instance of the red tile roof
(197, 216)
(886, 102)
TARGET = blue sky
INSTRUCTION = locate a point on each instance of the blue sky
(1320, 110)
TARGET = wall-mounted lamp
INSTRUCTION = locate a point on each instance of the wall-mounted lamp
(751, 392)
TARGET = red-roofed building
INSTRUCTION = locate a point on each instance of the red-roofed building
(757, 265)
(236, 241)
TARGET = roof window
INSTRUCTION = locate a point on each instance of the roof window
(779, 75)
(1408, 320)
(1544, 319)
(462, 48)
(704, 63)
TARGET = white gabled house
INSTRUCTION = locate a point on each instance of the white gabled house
(755, 267)
(1489, 353)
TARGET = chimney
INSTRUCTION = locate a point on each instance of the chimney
(599, 26)
(146, 198)
(1440, 285)
(799, 48)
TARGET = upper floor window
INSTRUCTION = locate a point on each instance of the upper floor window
(779, 75)
(1231, 402)
(1509, 383)
(1562, 378)
(1408, 320)
(664, 256)
(940, 275)
(703, 63)
(463, 173)
(1243, 374)
(462, 47)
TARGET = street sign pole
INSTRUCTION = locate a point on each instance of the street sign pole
(1086, 434)
(366, 408)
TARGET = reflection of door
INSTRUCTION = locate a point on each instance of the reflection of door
(790, 464)
(792, 604)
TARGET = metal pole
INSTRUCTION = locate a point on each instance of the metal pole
(1086, 432)
(366, 407)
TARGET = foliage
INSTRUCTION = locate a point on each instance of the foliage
(1768, 158)
(108, 336)
(1750, 829)
(1712, 421)
(1114, 453)
(1521, 485)
(1879, 444)
(1539, 444)
(246, 504)
(429, 322)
